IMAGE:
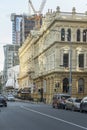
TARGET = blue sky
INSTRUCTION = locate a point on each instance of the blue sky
(21, 6)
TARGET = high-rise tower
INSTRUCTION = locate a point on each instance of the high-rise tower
(16, 19)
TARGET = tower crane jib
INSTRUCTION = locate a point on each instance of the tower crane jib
(32, 6)
(42, 6)
(40, 9)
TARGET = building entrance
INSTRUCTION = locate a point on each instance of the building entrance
(65, 85)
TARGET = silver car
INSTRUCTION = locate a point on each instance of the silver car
(73, 104)
(10, 98)
(83, 104)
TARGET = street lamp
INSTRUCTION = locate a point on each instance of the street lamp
(70, 67)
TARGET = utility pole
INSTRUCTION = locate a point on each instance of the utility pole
(70, 68)
(70, 61)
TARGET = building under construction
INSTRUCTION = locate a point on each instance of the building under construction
(27, 24)
(22, 24)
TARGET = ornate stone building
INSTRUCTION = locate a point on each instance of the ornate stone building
(54, 58)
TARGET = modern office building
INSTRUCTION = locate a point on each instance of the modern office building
(16, 19)
(11, 58)
(1, 81)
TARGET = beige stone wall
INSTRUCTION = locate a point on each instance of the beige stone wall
(43, 54)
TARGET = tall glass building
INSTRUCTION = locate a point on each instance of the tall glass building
(16, 19)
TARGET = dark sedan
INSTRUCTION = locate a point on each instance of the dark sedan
(83, 104)
(3, 101)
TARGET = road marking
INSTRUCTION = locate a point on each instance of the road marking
(55, 118)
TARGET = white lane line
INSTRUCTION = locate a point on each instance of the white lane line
(55, 118)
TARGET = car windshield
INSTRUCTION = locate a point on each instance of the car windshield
(65, 97)
(78, 100)
(85, 100)
(10, 95)
(1, 97)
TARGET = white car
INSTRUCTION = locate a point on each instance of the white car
(73, 104)
(83, 104)
(10, 98)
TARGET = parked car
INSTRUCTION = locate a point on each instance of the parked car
(3, 101)
(73, 104)
(59, 100)
(10, 98)
(83, 104)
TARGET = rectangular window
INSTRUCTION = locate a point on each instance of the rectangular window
(65, 60)
(62, 34)
(81, 60)
(80, 85)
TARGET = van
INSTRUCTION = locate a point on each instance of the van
(59, 100)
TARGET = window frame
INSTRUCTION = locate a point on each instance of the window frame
(69, 34)
(81, 60)
(81, 85)
(78, 35)
(62, 34)
(66, 62)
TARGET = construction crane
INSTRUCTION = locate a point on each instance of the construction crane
(38, 14)
(40, 9)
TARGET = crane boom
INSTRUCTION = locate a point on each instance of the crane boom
(42, 6)
(40, 9)
(32, 6)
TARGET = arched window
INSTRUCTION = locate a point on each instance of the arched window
(78, 35)
(69, 34)
(62, 34)
(65, 85)
(84, 35)
(80, 85)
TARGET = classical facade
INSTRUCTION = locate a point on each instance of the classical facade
(54, 58)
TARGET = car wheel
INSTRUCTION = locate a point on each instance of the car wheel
(81, 109)
(61, 106)
(73, 109)
(53, 106)
(58, 106)
(5, 105)
(66, 108)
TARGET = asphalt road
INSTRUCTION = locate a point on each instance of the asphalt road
(29, 116)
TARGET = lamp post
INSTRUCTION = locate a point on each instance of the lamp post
(70, 68)
(70, 60)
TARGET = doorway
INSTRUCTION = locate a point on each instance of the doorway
(65, 85)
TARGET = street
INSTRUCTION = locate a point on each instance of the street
(33, 116)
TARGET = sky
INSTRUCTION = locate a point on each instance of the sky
(21, 6)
